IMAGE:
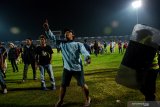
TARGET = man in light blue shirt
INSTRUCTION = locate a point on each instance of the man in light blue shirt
(72, 63)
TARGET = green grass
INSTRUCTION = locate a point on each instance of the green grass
(99, 76)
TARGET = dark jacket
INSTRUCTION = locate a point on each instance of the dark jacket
(12, 54)
(88, 48)
(29, 54)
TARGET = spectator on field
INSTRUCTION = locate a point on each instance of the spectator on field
(72, 63)
(12, 56)
(120, 46)
(29, 58)
(88, 48)
(44, 58)
(96, 48)
(2, 81)
(125, 45)
(111, 46)
(92, 47)
(21, 52)
(105, 46)
(3, 62)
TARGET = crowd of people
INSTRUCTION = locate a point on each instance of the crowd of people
(36, 56)
(101, 47)
(28, 54)
(40, 56)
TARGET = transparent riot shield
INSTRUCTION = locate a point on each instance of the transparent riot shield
(139, 55)
(146, 35)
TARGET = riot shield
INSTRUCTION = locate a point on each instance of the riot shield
(139, 55)
(146, 35)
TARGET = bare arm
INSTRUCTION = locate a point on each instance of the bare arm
(48, 32)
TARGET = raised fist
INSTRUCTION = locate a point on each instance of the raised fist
(46, 25)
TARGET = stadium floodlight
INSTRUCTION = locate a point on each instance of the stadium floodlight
(137, 4)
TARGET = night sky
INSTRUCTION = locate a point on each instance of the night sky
(20, 19)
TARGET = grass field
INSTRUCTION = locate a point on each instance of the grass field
(99, 76)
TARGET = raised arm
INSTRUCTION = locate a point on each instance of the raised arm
(48, 32)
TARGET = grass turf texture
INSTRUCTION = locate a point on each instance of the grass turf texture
(99, 76)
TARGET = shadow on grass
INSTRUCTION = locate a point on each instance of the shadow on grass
(102, 73)
(18, 81)
(72, 104)
(14, 105)
(24, 89)
(99, 71)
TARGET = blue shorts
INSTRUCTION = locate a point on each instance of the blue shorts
(67, 75)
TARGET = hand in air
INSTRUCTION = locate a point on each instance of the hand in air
(46, 25)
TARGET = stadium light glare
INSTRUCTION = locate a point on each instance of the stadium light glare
(137, 4)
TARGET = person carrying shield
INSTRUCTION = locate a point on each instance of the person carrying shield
(149, 74)
(139, 66)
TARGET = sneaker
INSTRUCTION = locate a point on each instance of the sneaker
(34, 78)
(23, 81)
(53, 87)
(59, 104)
(5, 91)
(44, 88)
(87, 103)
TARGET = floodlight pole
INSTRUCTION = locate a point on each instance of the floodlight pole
(137, 4)
(137, 15)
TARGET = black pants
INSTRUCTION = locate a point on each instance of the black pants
(120, 50)
(96, 52)
(147, 81)
(14, 65)
(26, 65)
